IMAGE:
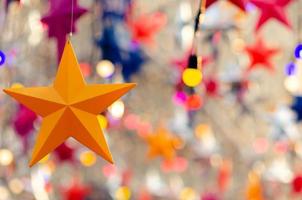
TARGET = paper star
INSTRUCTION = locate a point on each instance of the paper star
(260, 55)
(69, 108)
(272, 9)
(58, 21)
(162, 143)
(144, 27)
(130, 59)
(239, 3)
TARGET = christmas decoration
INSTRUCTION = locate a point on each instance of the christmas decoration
(260, 55)
(68, 112)
(64, 153)
(144, 27)
(162, 144)
(272, 9)
(24, 123)
(60, 20)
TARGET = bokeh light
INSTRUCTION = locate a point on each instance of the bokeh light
(87, 158)
(117, 109)
(105, 68)
(123, 193)
(6, 157)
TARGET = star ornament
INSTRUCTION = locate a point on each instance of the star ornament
(162, 144)
(272, 9)
(260, 55)
(69, 108)
(61, 19)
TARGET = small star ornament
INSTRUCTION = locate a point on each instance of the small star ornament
(60, 20)
(260, 55)
(272, 9)
(162, 144)
(69, 108)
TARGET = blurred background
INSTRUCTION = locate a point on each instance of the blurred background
(215, 115)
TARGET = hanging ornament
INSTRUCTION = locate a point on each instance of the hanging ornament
(192, 75)
(60, 20)
(272, 9)
(144, 27)
(298, 51)
(194, 102)
(24, 123)
(211, 86)
(69, 108)
(260, 55)
(182, 63)
(130, 59)
(64, 153)
(2, 58)
(239, 3)
(162, 144)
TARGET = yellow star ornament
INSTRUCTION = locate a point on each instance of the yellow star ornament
(163, 144)
(69, 108)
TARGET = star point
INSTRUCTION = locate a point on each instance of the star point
(69, 108)
(272, 9)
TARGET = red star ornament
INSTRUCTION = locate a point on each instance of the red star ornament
(260, 55)
(272, 9)
(239, 3)
(144, 27)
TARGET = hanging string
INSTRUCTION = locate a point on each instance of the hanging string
(198, 20)
(71, 20)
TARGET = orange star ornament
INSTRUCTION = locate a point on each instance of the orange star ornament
(69, 108)
(163, 144)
